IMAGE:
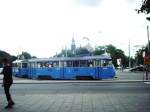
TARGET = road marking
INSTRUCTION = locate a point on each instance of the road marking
(147, 82)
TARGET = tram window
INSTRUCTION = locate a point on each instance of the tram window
(45, 64)
(90, 63)
(19, 65)
(24, 65)
(75, 63)
(38, 65)
(55, 64)
(69, 64)
(32, 65)
(97, 63)
(83, 63)
(14, 64)
(106, 63)
(65, 64)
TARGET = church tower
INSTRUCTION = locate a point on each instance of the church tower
(73, 46)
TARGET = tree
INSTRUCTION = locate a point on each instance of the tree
(145, 8)
(99, 50)
(139, 60)
(4, 54)
(65, 53)
(33, 57)
(116, 54)
(82, 51)
(24, 55)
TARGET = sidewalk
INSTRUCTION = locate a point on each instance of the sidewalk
(79, 102)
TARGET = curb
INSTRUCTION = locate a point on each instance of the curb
(72, 81)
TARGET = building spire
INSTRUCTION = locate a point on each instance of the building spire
(73, 45)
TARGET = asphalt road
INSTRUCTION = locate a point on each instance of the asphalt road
(68, 88)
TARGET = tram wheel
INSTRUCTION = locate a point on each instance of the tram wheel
(84, 78)
(45, 78)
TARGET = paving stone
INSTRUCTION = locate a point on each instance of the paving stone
(78, 103)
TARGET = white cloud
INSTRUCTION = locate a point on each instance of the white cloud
(43, 27)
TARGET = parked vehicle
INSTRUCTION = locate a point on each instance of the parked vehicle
(137, 68)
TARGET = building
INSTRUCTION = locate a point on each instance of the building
(73, 46)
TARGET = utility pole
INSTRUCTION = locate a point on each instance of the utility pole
(129, 56)
(148, 38)
(147, 56)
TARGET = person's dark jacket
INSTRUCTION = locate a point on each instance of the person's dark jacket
(7, 72)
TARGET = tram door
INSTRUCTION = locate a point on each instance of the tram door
(68, 71)
(106, 70)
(31, 70)
(61, 66)
(97, 69)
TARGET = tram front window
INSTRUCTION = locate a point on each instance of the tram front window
(83, 63)
(24, 65)
(106, 63)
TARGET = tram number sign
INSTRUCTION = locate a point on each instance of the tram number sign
(147, 60)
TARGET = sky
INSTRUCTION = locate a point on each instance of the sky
(44, 27)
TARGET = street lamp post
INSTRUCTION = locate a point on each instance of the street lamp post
(147, 56)
(148, 38)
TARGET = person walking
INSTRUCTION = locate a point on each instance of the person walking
(7, 82)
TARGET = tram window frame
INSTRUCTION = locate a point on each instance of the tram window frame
(69, 64)
(55, 64)
(90, 63)
(83, 63)
(24, 65)
(19, 65)
(15, 65)
(97, 63)
(32, 64)
(38, 65)
(76, 64)
(106, 63)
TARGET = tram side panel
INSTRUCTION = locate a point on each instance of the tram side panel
(20, 71)
(86, 73)
(23, 72)
(69, 72)
(106, 72)
(15, 71)
(49, 73)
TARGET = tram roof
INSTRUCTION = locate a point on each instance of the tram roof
(97, 57)
(19, 61)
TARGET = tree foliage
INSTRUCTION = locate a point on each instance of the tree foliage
(116, 54)
(24, 55)
(4, 54)
(65, 53)
(81, 51)
(99, 50)
(145, 8)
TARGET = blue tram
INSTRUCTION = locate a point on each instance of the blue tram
(20, 68)
(86, 67)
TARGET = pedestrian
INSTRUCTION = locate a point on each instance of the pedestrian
(7, 82)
